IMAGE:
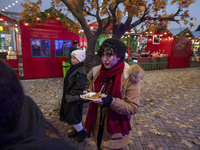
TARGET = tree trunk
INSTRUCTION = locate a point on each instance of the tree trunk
(90, 53)
(118, 31)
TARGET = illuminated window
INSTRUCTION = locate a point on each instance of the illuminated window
(62, 48)
(40, 48)
(156, 39)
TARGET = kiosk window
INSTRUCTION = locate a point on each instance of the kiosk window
(62, 48)
(40, 48)
(156, 39)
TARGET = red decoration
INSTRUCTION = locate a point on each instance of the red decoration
(26, 24)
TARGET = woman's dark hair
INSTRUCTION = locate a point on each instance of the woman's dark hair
(118, 46)
(11, 98)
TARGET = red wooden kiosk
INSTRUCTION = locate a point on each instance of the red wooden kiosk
(175, 44)
(181, 48)
(43, 49)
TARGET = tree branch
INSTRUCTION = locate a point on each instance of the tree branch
(113, 10)
(78, 14)
(93, 15)
(177, 13)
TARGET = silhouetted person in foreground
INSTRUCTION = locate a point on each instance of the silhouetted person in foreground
(22, 125)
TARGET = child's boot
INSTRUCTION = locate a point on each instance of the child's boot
(81, 135)
(73, 134)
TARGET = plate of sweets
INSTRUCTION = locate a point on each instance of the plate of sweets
(91, 96)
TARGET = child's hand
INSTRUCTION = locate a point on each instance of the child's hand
(85, 92)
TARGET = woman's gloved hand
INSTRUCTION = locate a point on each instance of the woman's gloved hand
(107, 101)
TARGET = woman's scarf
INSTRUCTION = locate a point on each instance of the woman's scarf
(116, 123)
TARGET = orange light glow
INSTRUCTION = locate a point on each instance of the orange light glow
(1, 19)
(26, 24)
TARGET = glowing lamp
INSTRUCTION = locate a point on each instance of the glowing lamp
(1, 28)
(26, 24)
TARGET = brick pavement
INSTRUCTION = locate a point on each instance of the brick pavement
(168, 117)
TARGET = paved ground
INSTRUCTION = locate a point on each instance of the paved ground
(168, 118)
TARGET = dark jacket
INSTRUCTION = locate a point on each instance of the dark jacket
(71, 105)
(29, 133)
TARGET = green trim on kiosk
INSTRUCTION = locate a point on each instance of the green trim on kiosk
(152, 65)
(15, 69)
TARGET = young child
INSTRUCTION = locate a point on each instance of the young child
(74, 85)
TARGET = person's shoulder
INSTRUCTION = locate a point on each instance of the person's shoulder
(81, 70)
(96, 69)
(29, 101)
(134, 72)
